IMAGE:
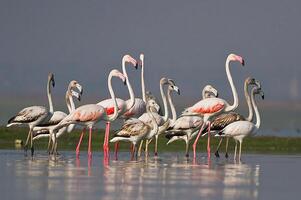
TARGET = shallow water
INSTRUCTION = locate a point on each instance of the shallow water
(170, 176)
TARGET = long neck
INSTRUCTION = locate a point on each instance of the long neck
(67, 98)
(248, 99)
(234, 92)
(153, 121)
(256, 110)
(172, 107)
(164, 102)
(115, 114)
(49, 97)
(130, 89)
(142, 81)
(71, 107)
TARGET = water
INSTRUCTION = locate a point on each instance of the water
(169, 176)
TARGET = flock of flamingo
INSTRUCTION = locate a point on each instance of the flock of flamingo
(142, 121)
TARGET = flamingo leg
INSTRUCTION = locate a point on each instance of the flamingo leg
(116, 150)
(156, 145)
(132, 151)
(227, 142)
(107, 137)
(146, 147)
(196, 140)
(26, 143)
(90, 141)
(217, 148)
(49, 141)
(208, 142)
(79, 142)
(235, 149)
(187, 147)
(140, 148)
(31, 143)
(239, 155)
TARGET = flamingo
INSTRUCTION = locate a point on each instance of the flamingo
(213, 106)
(186, 127)
(162, 121)
(241, 129)
(222, 120)
(34, 115)
(123, 106)
(134, 130)
(88, 115)
(46, 129)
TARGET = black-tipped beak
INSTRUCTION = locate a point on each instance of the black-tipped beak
(262, 96)
(53, 83)
(179, 92)
(216, 95)
(81, 92)
(124, 82)
(243, 62)
(136, 66)
(79, 98)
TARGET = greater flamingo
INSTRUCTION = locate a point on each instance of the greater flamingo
(213, 106)
(88, 115)
(134, 130)
(224, 119)
(186, 127)
(123, 106)
(240, 129)
(34, 115)
(46, 129)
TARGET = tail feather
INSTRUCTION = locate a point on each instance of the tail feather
(11, 121)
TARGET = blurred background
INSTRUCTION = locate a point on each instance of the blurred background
(187, 41)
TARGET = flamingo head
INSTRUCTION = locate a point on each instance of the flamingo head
(75, 84)
(154, 107)
(130, 59)
(172, 86)
(253, 81)
(260, 92)
(76, 94)
(234, 57)
(209, 91)
(118, 74)
(51, 79)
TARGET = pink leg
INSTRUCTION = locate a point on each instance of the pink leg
(132, 151)
(208, 142)
(79, 142)
(89, 147)
(108, 136)
(116, 150)
(196, 141)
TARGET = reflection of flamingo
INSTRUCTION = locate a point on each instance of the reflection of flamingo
(186, 127)
(123, 105)
(134, 130)
(46, 129)
(90, 114)
(221, 121)
(240, 129)
(34, 115)
(213, 106)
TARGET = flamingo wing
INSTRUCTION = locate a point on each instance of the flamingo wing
(137, 110)
(206, 106)
(109, 105)
(56, 118)
(224, 119)
(29, 114)
(238, 128)
(133, 127)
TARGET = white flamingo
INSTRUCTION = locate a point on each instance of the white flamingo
(46, 129)
(88, 115)
(224, 119)
(134, 130)
(34, 115)
(213, 106)
(186, 127)
(241, 129)
(162, 121)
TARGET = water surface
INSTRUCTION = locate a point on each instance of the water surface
(170, 176)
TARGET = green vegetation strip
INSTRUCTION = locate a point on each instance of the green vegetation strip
(258, 144)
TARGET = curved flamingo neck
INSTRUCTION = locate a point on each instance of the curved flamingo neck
(115, 114)
(248, 99)
(234, 92)
(165, 117)
(71, 108)
(255, 108)
(172, 107)
(142, 81)
(67, 98)
(130, 89)
(51, 110)
(153, 121)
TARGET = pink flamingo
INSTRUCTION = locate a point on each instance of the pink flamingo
(213, 106)
(88, 115)
(123, 106)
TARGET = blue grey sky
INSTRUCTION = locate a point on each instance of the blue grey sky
(184, 40)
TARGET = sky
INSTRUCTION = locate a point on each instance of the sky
(187, 41)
